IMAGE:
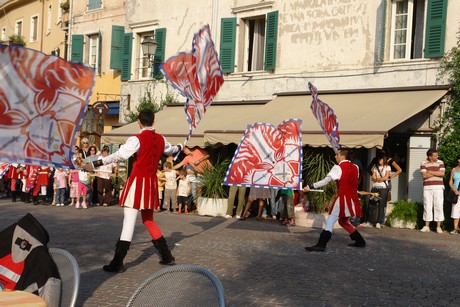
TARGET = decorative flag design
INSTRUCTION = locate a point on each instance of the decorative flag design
(196, 75)
(42, 102)
(268, 156)
(31, 179)
(4, 166)
(326, 118)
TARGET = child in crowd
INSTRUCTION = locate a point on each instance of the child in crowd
(61, 185)
(170, 187)
(73, 183)
(161, 186)
(83, 183)
(183, 191)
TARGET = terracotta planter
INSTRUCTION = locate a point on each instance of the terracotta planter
(212, 206)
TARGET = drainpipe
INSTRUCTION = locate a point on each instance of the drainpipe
(69, 32)
(43, 26)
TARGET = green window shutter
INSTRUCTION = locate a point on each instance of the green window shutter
(159, 58)
(99, 54)
(116, 47)
(270, 41)
(435, 28)
(94, 4)
(77, 48)
(126, 56)
(381, 28)
(227, 44)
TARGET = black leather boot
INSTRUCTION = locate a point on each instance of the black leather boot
(116, 265)
(162, 247)
(35, 200)
(14, 195)
(359, 240)
(324, 237)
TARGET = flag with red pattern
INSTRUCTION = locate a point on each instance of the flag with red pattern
(43, 99)
(268, 157)
(4, 166)
(326, 118)
(196, 75)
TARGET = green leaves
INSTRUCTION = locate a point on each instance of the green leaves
(212, 178)
(316, 165)
(447, 126)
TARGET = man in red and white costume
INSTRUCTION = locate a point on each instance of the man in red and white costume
(345, 204)
(141, 188)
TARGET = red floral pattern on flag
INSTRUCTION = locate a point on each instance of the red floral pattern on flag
(326, 118)
(196, 75)
(268, 156)
(4, 166)
(42, 102)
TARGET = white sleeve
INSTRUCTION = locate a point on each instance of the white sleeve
(334, 174)
(169, 149)
(126, 150)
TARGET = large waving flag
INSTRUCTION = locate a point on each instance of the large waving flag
(326, 118)
(42, 102)
(268, 156)
(196, 75)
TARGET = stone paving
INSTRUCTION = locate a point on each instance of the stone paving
(258, 263)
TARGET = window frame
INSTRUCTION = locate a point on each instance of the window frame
(49, 20)
(250, 43)
(18, 31)
(34, 29)
(93, 38)
(143, 72)
(3, 35)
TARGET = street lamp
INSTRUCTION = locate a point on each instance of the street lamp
(149, 46)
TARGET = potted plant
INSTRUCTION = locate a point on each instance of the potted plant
(213, 200)
(17, 39)
(404, 214)
(65, 6)
(316, 165)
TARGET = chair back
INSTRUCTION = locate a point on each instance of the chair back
(70, 275)
(179, 285)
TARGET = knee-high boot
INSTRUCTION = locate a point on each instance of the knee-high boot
(14, 195)
(162, 247)
(324, 237)
(116, 265)
(35, 200)
(359, 240)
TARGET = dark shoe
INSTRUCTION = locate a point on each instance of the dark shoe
(162, 247)
(359, 240)
(315, 248)
(324, 237)
(116, 265)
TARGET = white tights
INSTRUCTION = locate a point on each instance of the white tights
(129, 222)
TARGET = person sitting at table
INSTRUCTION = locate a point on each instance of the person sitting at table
(26, 262)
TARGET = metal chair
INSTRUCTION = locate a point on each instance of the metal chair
(70, 275)
(179, 285)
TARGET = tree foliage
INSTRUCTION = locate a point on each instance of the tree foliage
(448, 124)
(149, 102)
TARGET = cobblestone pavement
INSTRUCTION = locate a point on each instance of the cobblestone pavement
(258, 263)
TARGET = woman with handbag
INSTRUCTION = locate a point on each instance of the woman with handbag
(453, 183)
(380, 175)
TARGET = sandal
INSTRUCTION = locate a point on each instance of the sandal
(242, 218)
(292, 223)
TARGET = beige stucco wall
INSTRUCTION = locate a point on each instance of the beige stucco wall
(331, 43)
(91, 22)
(47, 41)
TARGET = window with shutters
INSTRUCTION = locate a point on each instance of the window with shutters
(18, 28)
(49, 18)
(417, 29)
(93, 51)
(251, 45)
(34, 28)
